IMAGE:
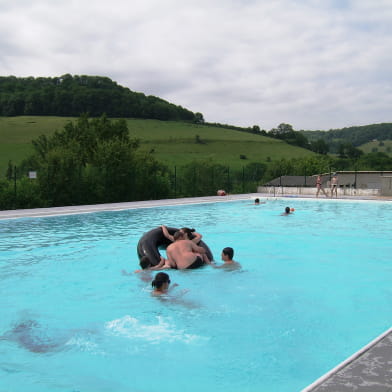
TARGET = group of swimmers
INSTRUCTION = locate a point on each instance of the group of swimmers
(287, 210)
(161, 282)
(184, 252)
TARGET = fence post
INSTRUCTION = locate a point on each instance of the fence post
(228, 179)
(194, 181)
(175, 182)
(212, 179)
(243, 179)
(15, 186)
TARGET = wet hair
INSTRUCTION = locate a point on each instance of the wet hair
(160, 279)
(228, 252)
(257, 200)
(189, 232)
(145, 262)
(287, 210)
(177, 235)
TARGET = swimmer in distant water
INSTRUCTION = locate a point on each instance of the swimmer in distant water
(287, 211)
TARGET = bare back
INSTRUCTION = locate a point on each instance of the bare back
(183, 253)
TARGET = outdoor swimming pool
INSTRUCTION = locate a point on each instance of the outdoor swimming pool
(315, 287)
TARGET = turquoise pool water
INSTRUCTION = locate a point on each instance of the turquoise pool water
(315, 287)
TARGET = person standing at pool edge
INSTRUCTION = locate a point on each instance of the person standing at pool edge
(319, 186)
(334, 186)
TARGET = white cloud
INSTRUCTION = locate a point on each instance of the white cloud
(311, 63)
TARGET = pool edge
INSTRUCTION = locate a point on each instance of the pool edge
(84, 209)
(325, 383)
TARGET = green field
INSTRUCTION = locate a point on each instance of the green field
(376, 146)
(173, 143)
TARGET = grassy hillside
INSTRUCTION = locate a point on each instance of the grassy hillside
(376, 146)
(173, 143)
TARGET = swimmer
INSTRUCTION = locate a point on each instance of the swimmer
(190, 234)
(146, 264)
(287, 211)
(161, 283)
(185, 254)
(227, 258)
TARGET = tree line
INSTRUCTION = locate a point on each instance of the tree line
(94, 161)
(69, 95)
(344, 142)
(355, 136)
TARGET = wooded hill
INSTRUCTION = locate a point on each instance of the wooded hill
(69, 95)
(356, 136)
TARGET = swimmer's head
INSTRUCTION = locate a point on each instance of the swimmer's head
(287, 210)
(257, 201)
(145, 262)
(160, 279)
(228, 252)
(188, 232)
(178, 235)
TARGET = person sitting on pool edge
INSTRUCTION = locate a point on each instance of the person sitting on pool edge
(184, 254)
(161, 283)
(227, 258)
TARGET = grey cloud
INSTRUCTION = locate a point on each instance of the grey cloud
(312, 64)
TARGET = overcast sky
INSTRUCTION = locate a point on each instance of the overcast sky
(314, 64)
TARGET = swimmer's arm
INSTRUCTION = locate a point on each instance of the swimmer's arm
(197, 249)
(166, 233)
(196, 237)
(159, 266)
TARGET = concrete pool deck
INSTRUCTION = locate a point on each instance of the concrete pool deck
(368, 370)
(83, 209)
